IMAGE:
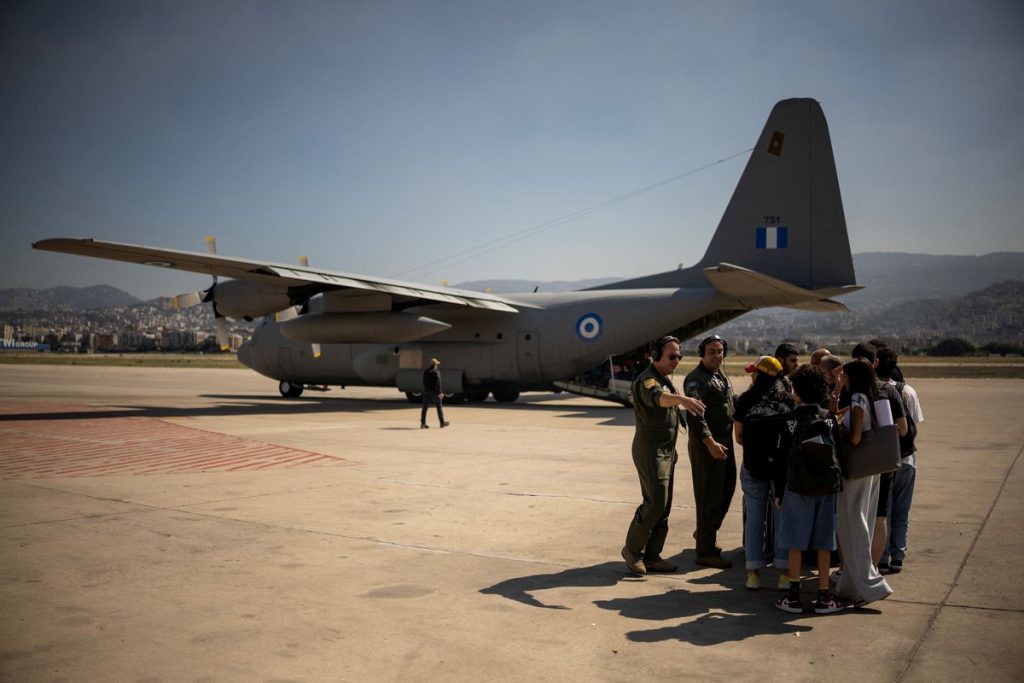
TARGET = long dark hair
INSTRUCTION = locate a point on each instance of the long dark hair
(766, 386)
(762, 382)
(862, 378)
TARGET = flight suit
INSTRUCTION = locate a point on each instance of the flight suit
(714, 481)
(654, 455)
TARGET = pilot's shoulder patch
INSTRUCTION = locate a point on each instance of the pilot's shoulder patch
(650, 383)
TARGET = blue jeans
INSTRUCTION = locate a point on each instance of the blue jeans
(756, 493)
(899, 513)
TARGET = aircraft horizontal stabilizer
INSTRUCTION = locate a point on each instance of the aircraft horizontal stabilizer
(757, 290)
(821, 306)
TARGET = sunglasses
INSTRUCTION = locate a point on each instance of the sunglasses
(675, 356)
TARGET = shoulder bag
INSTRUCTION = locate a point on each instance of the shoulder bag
(878, 452)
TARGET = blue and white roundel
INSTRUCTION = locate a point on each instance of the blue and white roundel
(589, 327)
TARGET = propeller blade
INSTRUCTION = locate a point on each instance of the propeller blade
(188, 299)
(221, 325)
(211, 248)
(286, 314)
(304, 262)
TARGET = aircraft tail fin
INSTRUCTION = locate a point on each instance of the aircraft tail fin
(785, 219)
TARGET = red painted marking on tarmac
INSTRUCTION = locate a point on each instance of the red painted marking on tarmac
(42, 447)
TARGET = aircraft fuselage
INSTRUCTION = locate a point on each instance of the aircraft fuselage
(553, 337)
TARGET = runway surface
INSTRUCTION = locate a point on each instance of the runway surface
(176, 524)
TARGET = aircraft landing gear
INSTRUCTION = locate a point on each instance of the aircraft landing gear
(290, 390)
(414, 397)
(505, 396)
(476, 395)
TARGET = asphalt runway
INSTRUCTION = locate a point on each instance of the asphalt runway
(179, 524)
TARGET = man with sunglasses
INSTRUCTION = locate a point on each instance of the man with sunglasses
(656, 404)
(710, 445)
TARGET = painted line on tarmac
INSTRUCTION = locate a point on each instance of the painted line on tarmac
(960, 570)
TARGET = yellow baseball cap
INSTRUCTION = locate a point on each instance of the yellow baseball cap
(769, 365)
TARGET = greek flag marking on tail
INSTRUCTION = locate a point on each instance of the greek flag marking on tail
(773, 237)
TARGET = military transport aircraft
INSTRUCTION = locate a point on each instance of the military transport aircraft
(781, 242)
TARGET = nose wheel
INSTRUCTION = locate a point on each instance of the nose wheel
(290, 389)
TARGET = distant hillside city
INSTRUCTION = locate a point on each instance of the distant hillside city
(105, 319)
(913, 301)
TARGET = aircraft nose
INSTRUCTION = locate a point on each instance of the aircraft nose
(245, 354)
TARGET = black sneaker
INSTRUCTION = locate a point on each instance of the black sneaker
(827, 604)
(424, 426)
(896, 566)
(788, 603)
(883, 567)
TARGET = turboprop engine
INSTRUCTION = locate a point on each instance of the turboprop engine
(243, 299)
(360, 328)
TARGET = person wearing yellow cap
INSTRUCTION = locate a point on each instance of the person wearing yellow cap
(759, 426)
(433, 394)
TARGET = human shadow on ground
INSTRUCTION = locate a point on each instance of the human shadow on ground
(522, 589)
(227, 405)
(728, 614)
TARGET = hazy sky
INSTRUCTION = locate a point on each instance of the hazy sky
(376, 137)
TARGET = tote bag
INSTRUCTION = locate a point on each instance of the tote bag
(878, 452)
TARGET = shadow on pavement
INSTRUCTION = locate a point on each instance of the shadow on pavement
(728, 614)
(234, 405)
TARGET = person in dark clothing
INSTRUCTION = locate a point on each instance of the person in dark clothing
(759, 425)
(433, 394)
(710, 445)
(808, 506)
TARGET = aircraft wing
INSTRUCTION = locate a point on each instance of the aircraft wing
(758, 290)
(310, 280)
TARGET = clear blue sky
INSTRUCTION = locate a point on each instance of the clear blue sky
(378, 136)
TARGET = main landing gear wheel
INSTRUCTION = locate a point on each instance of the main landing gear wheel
(414, 397)
(290, 390)
(476, 395)
(505, 396)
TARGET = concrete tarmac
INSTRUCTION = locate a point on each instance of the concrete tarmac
(191, 525)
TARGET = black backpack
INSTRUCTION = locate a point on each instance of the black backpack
(813, 467)
(765, 437)
(907, 442)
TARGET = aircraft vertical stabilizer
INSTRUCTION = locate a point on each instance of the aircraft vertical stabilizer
(785, 218)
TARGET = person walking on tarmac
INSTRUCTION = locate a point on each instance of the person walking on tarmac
(712, 457)
(656, 404)
(432, 394)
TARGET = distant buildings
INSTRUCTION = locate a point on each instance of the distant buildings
(149, 326)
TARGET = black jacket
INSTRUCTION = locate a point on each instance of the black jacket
(432, 380)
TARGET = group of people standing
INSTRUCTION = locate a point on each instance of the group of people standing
(788, 422)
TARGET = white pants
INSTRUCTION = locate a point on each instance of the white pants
(858, 505)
